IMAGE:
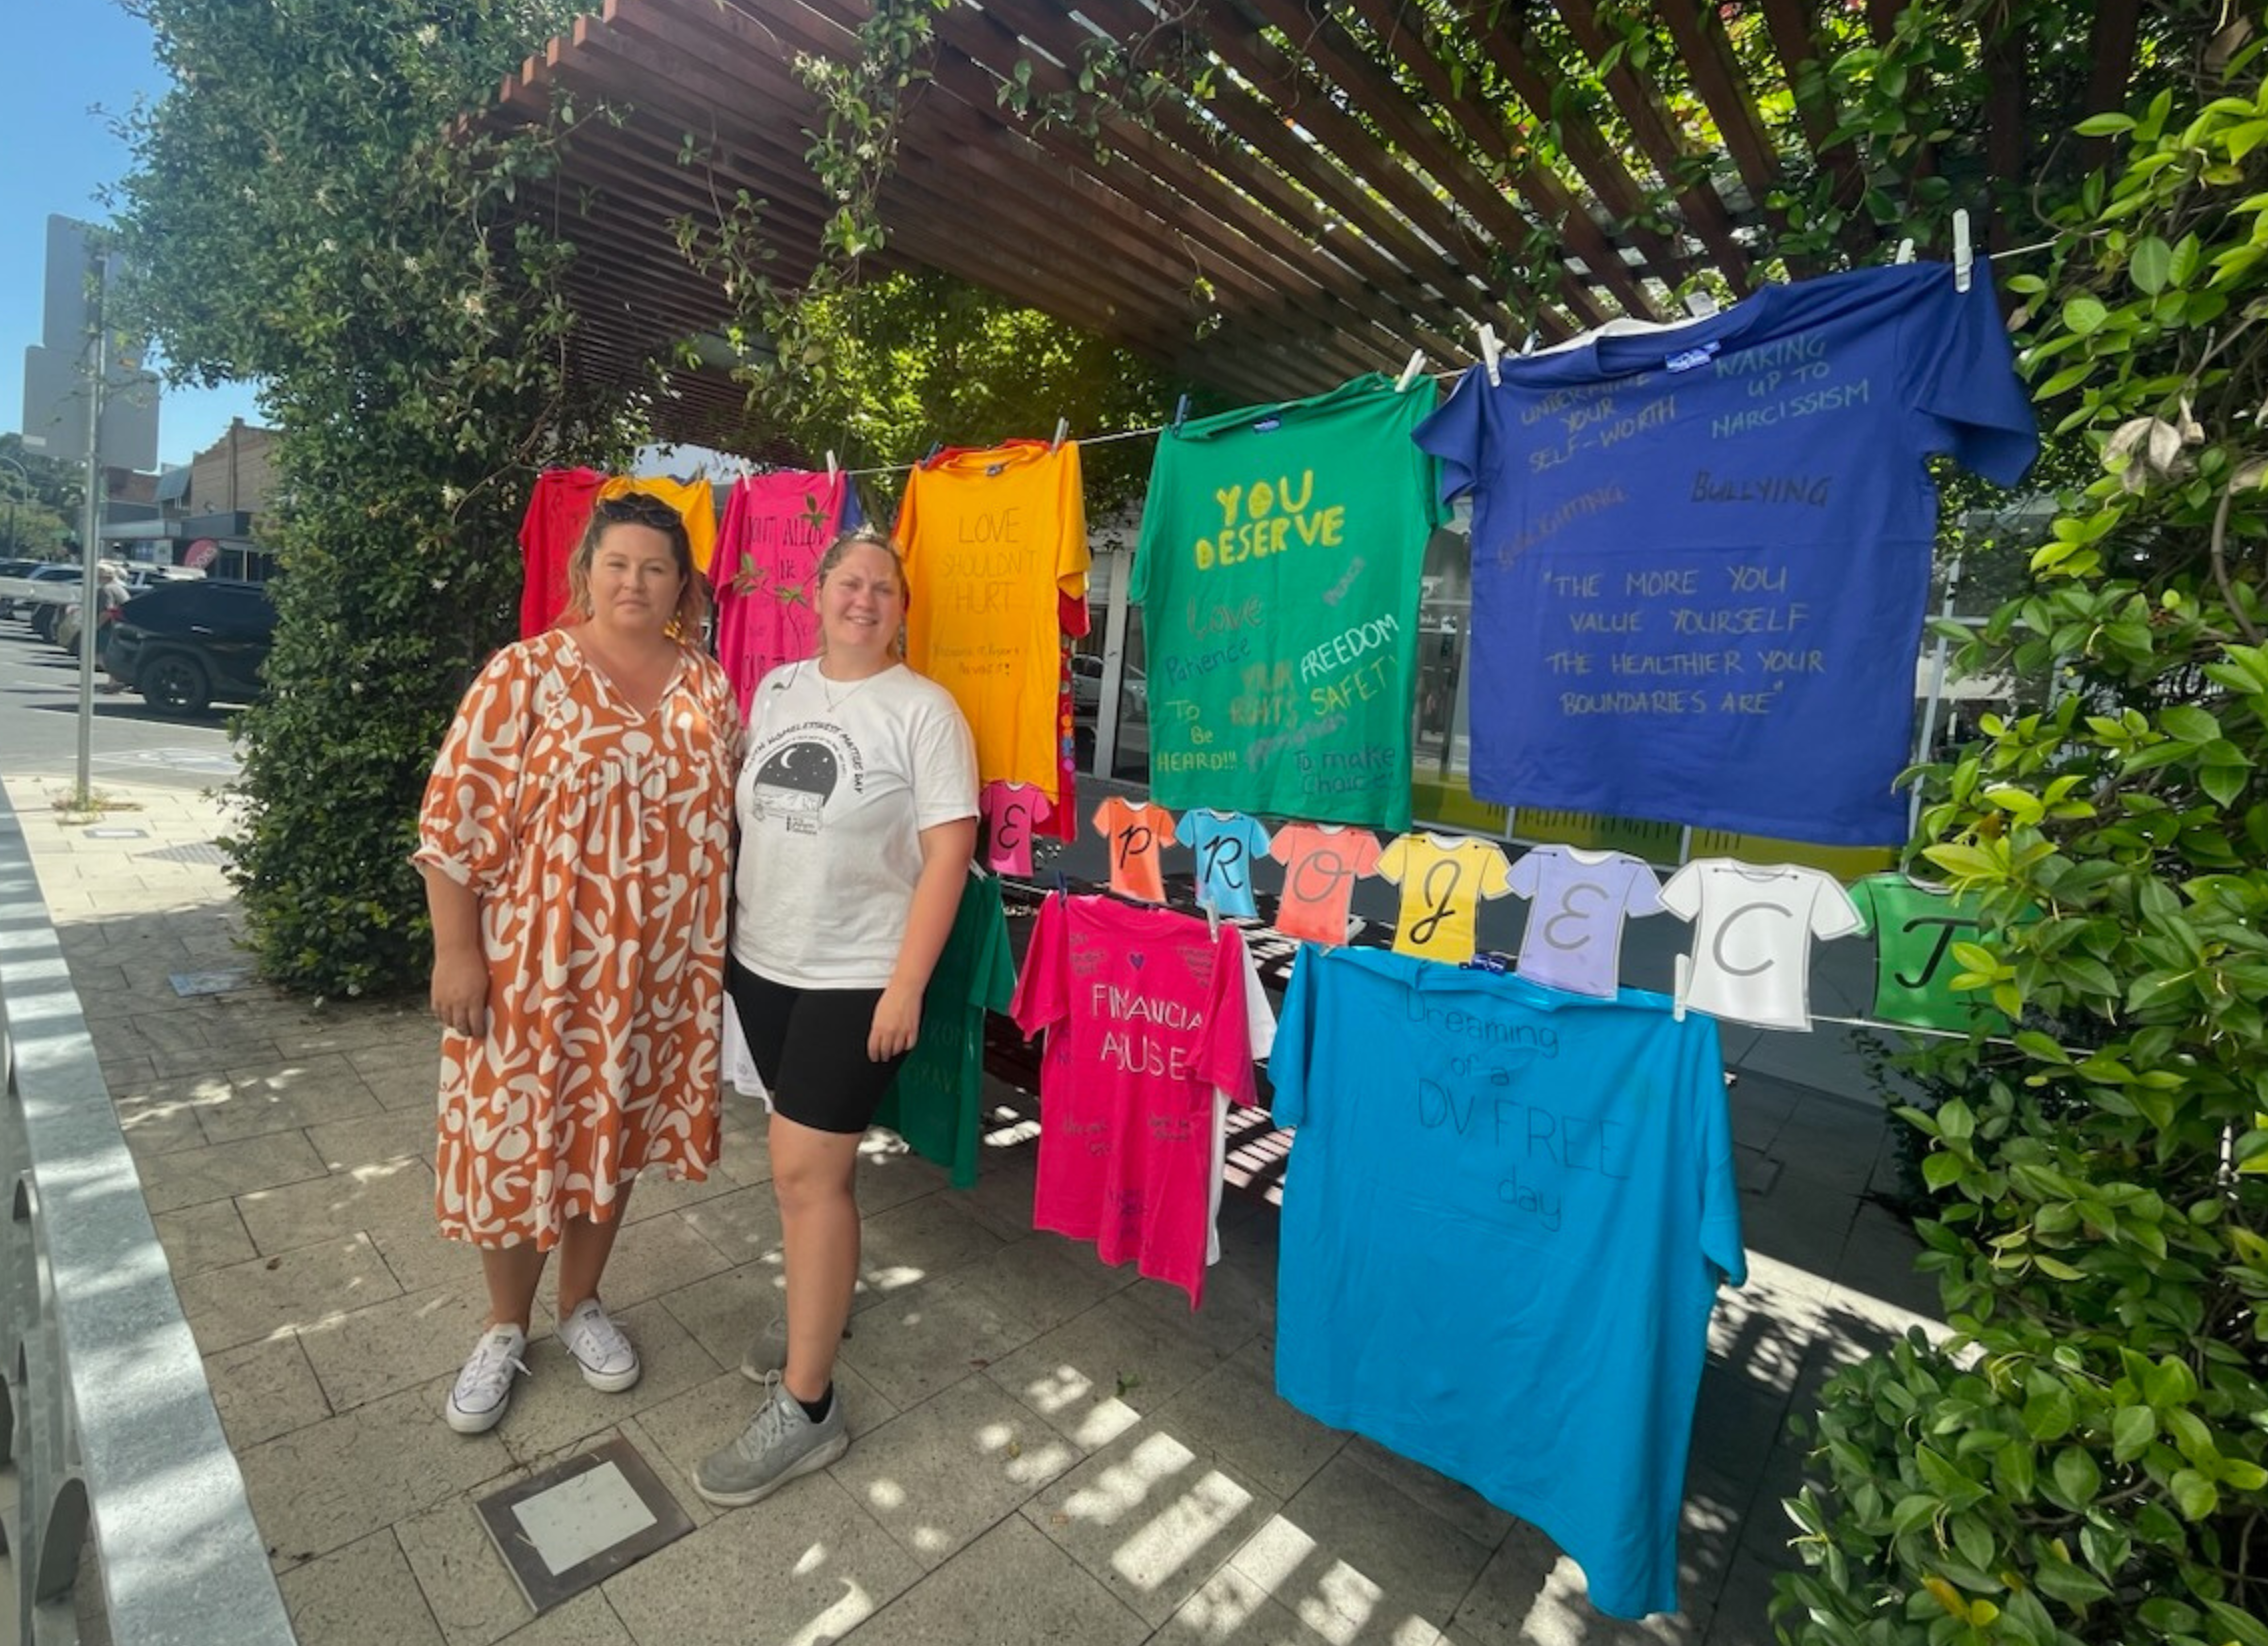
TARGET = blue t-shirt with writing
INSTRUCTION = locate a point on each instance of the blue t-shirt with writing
(1506, 1214)
(1701, 555)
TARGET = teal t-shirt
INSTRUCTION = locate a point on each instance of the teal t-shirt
(933, 1102)
(1278, 574)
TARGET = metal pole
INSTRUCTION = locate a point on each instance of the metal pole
(90, 537)
(1937, 661)
(1106, 704)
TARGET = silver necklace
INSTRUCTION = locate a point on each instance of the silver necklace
(828, 689)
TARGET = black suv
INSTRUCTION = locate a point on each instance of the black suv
(184, 645)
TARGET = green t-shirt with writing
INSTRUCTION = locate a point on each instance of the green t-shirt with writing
(933, 1103)
(1914, 930)
(1278, 578)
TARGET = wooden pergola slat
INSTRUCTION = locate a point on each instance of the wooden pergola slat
(1350, 187)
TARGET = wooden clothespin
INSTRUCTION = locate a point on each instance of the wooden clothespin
(1062, 428)
(1410, 372)
(1964, 257)
(1906, 251)
(1491, 352)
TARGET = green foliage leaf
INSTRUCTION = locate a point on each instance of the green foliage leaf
(2150, 265)
(2076, 1477)
(2061, 1581)
(2084, 316)
(2048, 1411)
(2133, 1429)
(2189, 724)
(2194, 1494)
(2235, 1624)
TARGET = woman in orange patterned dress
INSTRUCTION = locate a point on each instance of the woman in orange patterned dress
(577, 846)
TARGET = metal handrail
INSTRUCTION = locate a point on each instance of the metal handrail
(108, 1418)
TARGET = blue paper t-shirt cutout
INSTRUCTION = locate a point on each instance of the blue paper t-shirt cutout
(1227, 844)
(1699, 573)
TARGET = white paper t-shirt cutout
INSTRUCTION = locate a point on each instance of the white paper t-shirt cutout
(1752, 932)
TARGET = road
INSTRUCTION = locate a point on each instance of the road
(133, 743)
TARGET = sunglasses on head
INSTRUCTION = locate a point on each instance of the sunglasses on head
(637, 509)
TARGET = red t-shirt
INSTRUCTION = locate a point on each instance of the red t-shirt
(557, 512)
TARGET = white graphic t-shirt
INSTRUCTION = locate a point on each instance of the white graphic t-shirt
(840, 779)
(1752, 932)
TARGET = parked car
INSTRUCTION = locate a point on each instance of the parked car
(1086, 688)
(13, 586)
(47, 590)
(140, 579)
(186, 645)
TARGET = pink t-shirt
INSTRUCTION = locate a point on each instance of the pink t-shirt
(1147, 1020)
(1012, 811)
(776, 527)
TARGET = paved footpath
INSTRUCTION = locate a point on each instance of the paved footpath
(1047, 1450)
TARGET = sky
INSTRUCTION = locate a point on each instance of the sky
(79, 64)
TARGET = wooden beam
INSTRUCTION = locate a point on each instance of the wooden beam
(1328, 47)
(1708, 59)
(1650, 130)
(2111, 47)
(1788, 22)
(1169, 180)
(1542, 190)
(1532, 77)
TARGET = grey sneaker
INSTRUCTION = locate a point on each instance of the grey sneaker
(779, 1444)
(609, 1364)
(767, 1355)
(484, 1386)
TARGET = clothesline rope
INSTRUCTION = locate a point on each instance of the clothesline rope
(1444, 374)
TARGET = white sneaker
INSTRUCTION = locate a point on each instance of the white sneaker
(484, 1386)
(608, 1361)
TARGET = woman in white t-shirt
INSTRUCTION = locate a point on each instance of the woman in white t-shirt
(857, 812)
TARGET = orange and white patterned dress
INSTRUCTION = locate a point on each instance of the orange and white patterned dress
(599, 842)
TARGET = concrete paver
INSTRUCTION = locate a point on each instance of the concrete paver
(1049, 1449)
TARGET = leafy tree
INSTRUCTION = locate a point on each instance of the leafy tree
(301, 217)
(2087, 1460)
(38, 503)
(885, 370)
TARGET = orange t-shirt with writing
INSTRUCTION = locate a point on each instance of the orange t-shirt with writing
(993, 539)
(1135, 835)
(1322, 863)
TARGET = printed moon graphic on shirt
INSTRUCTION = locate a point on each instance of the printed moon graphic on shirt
(795, 783)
